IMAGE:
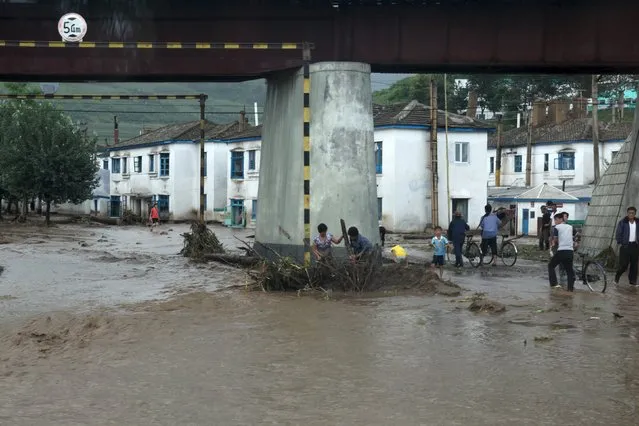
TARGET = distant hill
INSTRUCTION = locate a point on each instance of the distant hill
(225, 101)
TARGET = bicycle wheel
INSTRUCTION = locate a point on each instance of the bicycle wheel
(594, 276)
(473, 254)
(509, 253)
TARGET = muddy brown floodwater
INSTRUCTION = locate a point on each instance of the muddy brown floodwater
(202, 354)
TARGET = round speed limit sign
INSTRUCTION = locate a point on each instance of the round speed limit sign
(72, 27)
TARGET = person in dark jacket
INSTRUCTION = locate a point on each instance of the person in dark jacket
(457, 234)
(628, 239)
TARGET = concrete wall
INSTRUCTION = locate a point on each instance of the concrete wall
(183, 183)
(405, 182)
(582, 175)
(218, 169)
(342, 160)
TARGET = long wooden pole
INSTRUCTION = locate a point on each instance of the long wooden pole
(433, 153)
(595, 126)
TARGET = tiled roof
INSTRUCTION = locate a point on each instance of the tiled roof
(250, 132)
(411, 113)
(546, 192)
(512, 192)
(416, 113)
(576, 129)
(182, 131)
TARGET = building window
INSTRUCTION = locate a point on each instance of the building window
(137, 164)
(492, 165)
(164, 164)
(518, 161)
(461, 152)
(237, 165)
(566, 161)
(378, 158)
(151, 163)
(251, 165)
(546, 160)
(105, 164)
(206, 162)
(254, 209)
(115, 165)
(379, 208)
(125, 164)
(114, 207)
(613, 155)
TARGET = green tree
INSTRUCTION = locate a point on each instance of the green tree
(418, 87)
(43, 154)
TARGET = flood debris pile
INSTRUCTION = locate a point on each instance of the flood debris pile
(480, 304)
(284, 274)
(200, 242)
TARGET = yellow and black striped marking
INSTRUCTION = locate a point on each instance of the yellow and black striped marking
(102, 97)
(307, 163)
(153, 45)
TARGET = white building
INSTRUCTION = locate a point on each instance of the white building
(243, 176)
(163, 166)
(527, 204)
(403, 160)
(404, 167)
(561, 152)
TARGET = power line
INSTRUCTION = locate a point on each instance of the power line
(159, 112)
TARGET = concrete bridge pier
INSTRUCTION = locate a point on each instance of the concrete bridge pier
(342, 163)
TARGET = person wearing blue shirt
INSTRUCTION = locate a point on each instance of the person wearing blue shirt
(489, 225)
(439, 243)
(359, 244)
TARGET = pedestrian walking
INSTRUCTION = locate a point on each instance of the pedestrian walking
(457, 235)
(628, 239)
(562, 239)
(544, 232)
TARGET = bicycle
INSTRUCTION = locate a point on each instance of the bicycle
(507, 250)
(470, 251)
(591, 274)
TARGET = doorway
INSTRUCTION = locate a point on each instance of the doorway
(525, 221)
(461, 205)
(237, 212)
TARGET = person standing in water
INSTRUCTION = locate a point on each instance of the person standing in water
(627, 237)
(154, 217)
(323, 242)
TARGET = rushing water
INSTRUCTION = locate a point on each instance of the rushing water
(251, 358)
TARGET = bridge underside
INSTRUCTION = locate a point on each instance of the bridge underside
(452, 36)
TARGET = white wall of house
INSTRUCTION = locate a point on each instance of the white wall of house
(140, 185)
(545, 163)
(404, 185)
(243, 185)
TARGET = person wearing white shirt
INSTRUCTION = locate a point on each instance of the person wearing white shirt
(562, 239)
(628, 240)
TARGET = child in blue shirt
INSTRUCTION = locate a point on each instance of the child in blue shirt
(439, 243)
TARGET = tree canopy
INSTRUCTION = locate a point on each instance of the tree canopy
(43, 154)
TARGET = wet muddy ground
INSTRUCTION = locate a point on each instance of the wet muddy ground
(81, 343)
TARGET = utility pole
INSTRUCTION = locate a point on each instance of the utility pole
(595, 125)
(433, 153)
(202, 155)
(498, 151)
(529, 150)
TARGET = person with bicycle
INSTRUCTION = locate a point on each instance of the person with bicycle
(627, 237)
(562, 239)
(489, 225)
(457, 235)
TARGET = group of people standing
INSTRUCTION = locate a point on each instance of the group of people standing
(562, 241)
